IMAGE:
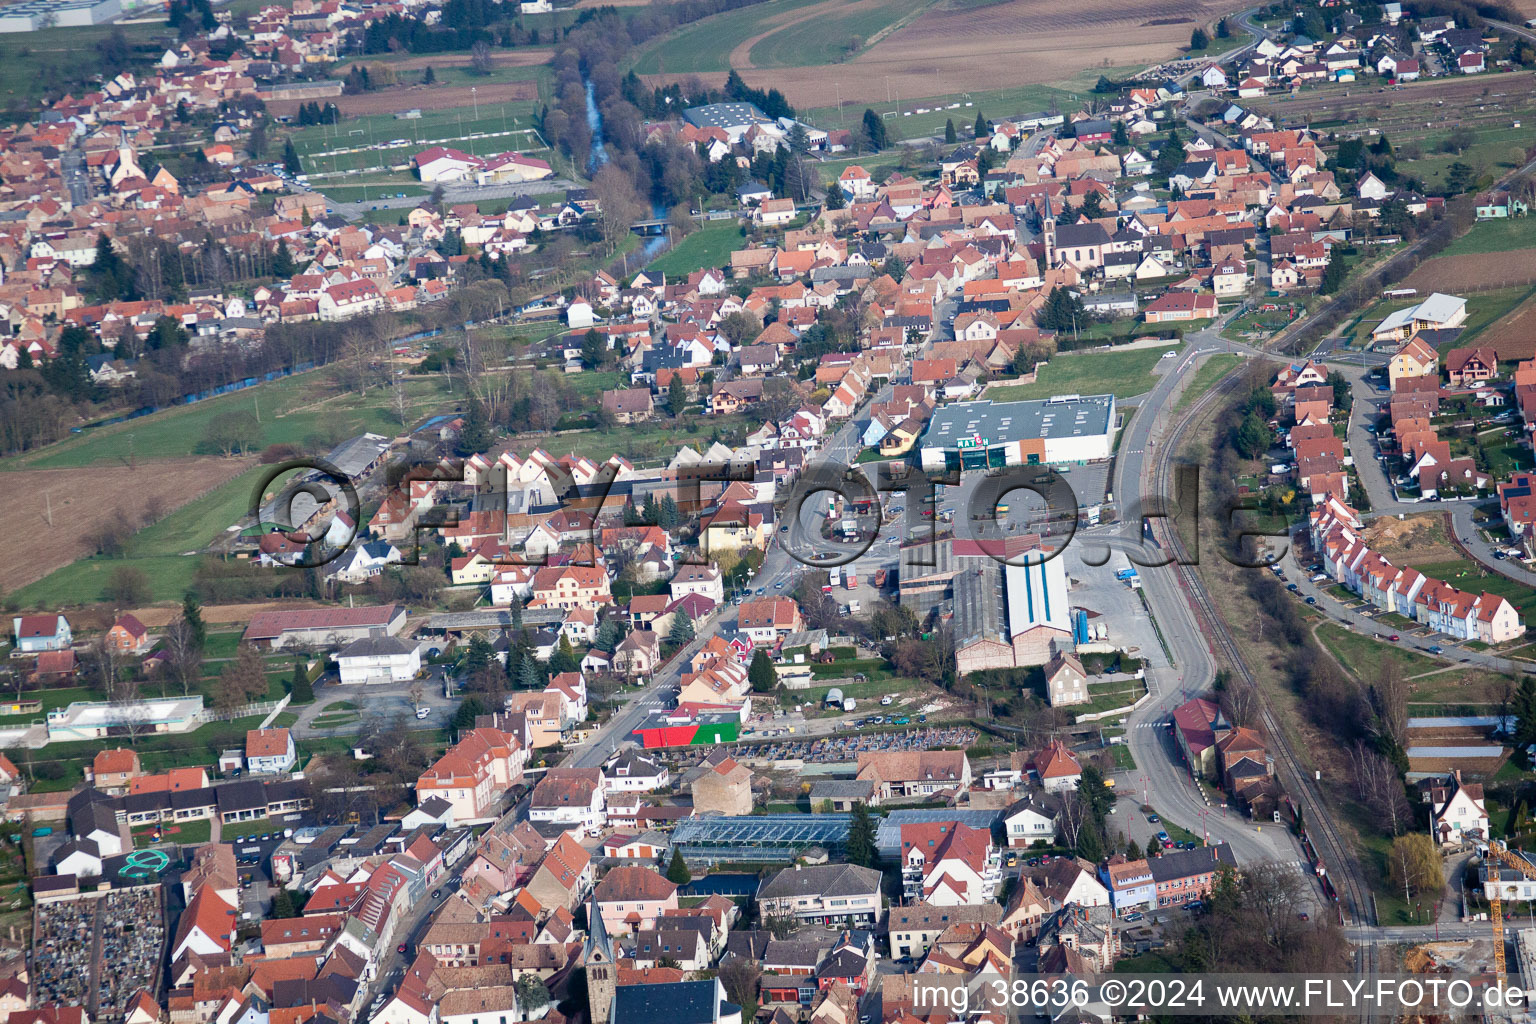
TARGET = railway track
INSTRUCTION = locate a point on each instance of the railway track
(1342, 869)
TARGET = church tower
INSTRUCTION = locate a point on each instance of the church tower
(1048, 231)
(602, 980)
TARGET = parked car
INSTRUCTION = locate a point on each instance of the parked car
(1153, 819)
(1435, 649)
(1292, 587)
(1162, 837)
(1311, 600)
(1394, 638)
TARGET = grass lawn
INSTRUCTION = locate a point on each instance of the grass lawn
(1469, 575)
(300, 410)
(1212, 370)
(55, 58)
(710, 246)
(1121, 374)
(1483, 308)
(1493, 236)
(1108, 696)
(184, 833)
(82, 582)
(920, 117)
(239, 830)
(157, 753)
(1123, 760)
(1363, 656)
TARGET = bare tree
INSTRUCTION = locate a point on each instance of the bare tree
(1072, 817)
(619, 203)
(1379, 788)
(1389, 703)
(1239, 702)
(480, 57)
(186, 658)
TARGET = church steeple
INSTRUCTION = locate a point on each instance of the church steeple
(598, 947)
(602, 977)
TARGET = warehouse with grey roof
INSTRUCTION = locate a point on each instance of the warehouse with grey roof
(1061, 430)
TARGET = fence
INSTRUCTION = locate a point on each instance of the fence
(270, 708)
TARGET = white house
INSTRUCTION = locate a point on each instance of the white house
(1029, 821)
(378, 659)
(631, 771)
(1457, 812)
(573, 797)
(269, 750)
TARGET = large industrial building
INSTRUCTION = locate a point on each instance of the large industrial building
(31, 15)
(1010, 616)
(1063, 430)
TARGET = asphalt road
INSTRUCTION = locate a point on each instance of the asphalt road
(1161, 778)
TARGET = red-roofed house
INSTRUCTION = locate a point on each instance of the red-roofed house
(947, 864)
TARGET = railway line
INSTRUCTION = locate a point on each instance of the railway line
(1342, 872)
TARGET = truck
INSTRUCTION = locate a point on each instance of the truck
(849, 705)
(835, 575)
(1125, 574)
(850, 581)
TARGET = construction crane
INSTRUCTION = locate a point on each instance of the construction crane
(1499, 852)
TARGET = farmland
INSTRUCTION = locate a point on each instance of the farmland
(944, 50)
(82, 501)
(1474, 271)
(1418, 118)
(1513, 336)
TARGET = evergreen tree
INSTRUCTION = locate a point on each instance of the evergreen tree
(677, 871)
(607, 636)
(950, 136)
(835, 198)
(651, 511)
(291, 162)
(593, 348)
(475, 434)
(760, 673)
(465, 714)
(1335, 272)
(682, 629)
(282, 260)
(429, 76)
(282, 904)
(1093, 206)
(193, 613)
(874, 131)
(1121, 138)
(980, 129)
(1223, 31)
(530, 677)
(670, 518)
(861, 837)
(1525, 713)
(1198, 40)
(1252, 439)
(564, 659)
(677, 396)
(477, 656)
(300, 688)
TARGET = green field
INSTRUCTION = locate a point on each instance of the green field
(706, 45)
(54, 59)
(1495, 236)
(925, 116)
(1121, 374)
(710, 246)
(1212, 370)
(451, 124)
(294, 410)
(828, 38)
